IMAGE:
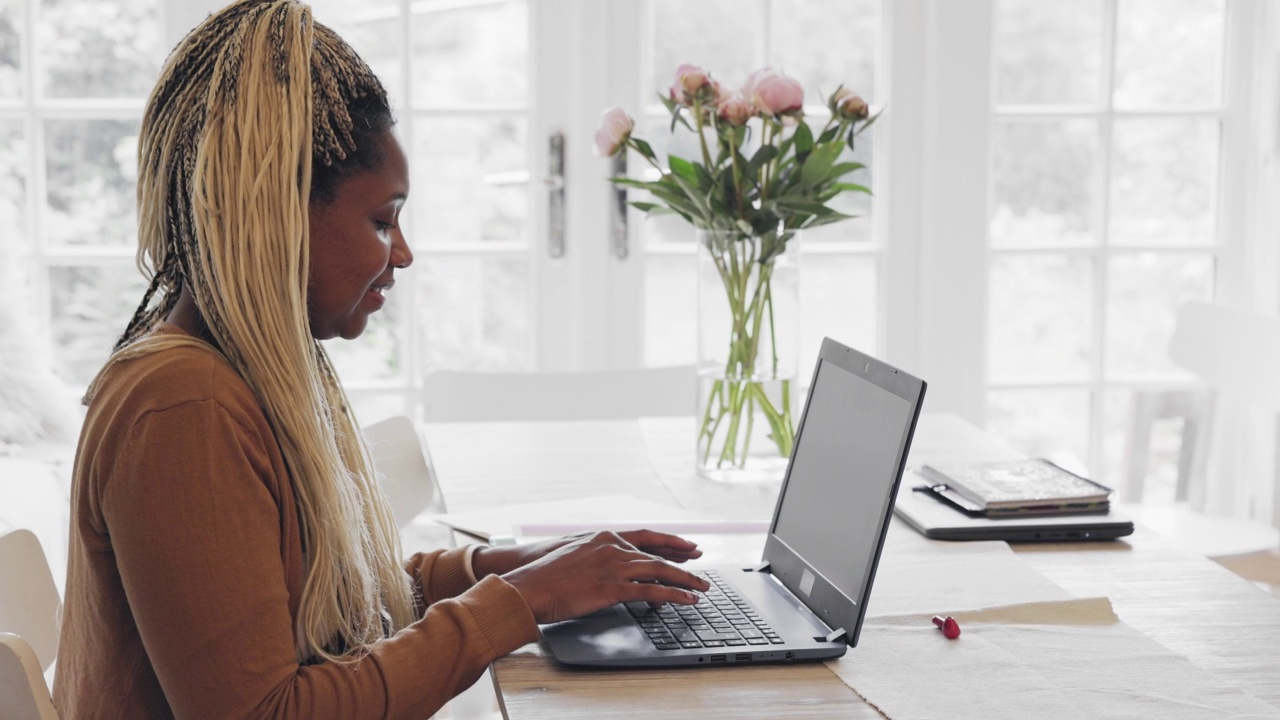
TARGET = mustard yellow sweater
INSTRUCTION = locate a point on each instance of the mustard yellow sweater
(186, 570)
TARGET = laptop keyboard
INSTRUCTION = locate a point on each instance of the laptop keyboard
(722, 618)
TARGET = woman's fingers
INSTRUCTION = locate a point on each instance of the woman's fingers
(671, 547)
(594, 572)
(659, 571)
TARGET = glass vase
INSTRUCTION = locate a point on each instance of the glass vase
(748, 328)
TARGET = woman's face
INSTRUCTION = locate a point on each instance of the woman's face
(356, 245)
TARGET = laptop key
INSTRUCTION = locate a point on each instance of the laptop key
(735, 643)
(757, 641)
(711, 635)
(667, 646)
(776, 640)
(686, 636)
(640, 609)
(690, 644)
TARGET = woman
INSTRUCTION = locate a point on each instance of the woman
(232, 555)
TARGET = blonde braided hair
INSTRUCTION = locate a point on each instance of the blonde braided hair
(248, 104)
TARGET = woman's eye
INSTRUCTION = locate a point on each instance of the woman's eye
(383, 227)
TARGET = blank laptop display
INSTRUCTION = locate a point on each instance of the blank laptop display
(807, 598)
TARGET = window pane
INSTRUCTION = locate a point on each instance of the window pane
(374, 29)
(1168, 52)
(98, 48)
(838, 298)
(13, 181)
(12, 21)
(670, 316)
(1045, 183)
(91, 167)
(1145, 292)
(825, 44)
(467, 181)
(1048, 52)
(375, 355)
(1053, 424)
(475, 313)
(1164, 182)
(470, 53)
(720, 36)
(1040, 318)
(91, 306)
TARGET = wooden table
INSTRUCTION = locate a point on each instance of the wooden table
(1220, 622)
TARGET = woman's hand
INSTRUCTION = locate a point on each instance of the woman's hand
(502, 560)
(592, 572)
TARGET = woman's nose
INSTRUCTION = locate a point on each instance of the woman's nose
(401, 255)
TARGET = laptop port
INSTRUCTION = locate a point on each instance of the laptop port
(742, 657)
(717, 658)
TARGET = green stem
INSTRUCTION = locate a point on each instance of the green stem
(702, 138)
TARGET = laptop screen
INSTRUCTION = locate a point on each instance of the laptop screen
(842, 472)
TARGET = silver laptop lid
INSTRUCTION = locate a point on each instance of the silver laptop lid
(836, 500)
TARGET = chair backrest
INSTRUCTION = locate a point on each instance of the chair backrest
(404, 468)
(462, 396)
(1235, 351)
(29, 603)
(23, 692)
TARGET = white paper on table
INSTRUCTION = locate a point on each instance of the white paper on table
(935, 577)
(1069, 659)
(565, 517)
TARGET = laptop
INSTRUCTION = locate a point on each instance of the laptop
(938, 521)
(807, 597)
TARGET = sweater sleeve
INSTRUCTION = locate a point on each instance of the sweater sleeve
(196, 530)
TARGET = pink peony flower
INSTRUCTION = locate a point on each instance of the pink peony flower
(737, 110)
(850, 105)
(615, 127)
(690, 80)
(774, 93)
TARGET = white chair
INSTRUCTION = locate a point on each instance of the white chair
(463, 396)
(1237, 355)
(404, 467)
(30, 617)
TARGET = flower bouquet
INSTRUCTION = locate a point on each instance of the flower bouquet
(762, 175)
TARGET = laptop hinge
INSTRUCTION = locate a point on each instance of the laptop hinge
(834, 635)
(760, 568)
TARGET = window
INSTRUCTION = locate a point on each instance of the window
(1050, 181)
(1106, 160)
(73, 76)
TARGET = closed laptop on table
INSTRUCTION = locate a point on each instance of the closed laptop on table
(807, 598)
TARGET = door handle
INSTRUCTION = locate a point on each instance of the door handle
(555, 195)
(618, 209)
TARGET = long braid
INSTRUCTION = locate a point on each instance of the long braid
(245, 105)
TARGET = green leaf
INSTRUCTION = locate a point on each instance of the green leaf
(703, 209)
(845, 168)
(648, 207)
(683, 168)
(818, 164)
(762, 156)
(805, 205)
(643, 147)
(803, 139)
(829, 134)
(630, 182)
(852, 187)
(675, 199)
(831, 217)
